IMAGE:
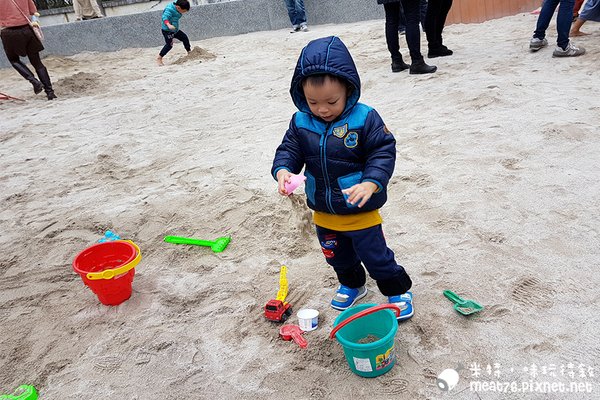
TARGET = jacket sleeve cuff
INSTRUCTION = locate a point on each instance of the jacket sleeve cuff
(277, 170)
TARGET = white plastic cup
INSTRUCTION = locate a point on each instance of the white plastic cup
(308, 319)
(447, 380)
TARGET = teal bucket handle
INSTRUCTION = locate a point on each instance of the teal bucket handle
(358, 315)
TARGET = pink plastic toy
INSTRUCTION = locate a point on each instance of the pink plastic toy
(295, 181)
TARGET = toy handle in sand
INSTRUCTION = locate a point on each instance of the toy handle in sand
(358, 315)
(453, 297)
(184, 240)
(293, 332)
(299, 339)
(217, 245)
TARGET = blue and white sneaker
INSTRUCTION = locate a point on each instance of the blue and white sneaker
(345, 297)
(405, 303)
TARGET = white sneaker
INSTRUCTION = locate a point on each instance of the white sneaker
(304, 28)
(535, 44)
(570, 51)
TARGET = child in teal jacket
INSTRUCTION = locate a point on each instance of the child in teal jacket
(170, 27)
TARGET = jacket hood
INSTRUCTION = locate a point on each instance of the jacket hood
(325, 55)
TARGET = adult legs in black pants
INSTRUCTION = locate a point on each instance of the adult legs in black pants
(437, 11)
(393, 19)
(34, 58)
(413, 37)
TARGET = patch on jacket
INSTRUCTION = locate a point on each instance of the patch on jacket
(340, 131)
(351, 140)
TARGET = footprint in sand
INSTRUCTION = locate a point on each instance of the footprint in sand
(420, 180)
(144, 357)
(511, 163)
(531, 291)
(497, 238)
(492, 313)
(452, 224)
(395, 386)
(545, 347)
(108, 364)
(581, 348)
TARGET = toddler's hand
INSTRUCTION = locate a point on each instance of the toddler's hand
(361, 193)
(171, 27)
(283, 176)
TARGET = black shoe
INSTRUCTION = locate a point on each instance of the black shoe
(439, 52)
(45, 78)
(399, 65)
(419, 67)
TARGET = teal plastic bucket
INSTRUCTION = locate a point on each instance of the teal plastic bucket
(366, 333)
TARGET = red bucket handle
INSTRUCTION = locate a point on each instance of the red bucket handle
(358, 315)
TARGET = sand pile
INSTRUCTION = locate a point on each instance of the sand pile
(197, 54)
(77, 84)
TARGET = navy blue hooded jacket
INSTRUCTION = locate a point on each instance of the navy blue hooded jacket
(354, 148)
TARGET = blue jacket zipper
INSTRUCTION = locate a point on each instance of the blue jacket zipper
(322, 151)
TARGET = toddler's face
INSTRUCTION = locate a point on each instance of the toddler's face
(326, 101)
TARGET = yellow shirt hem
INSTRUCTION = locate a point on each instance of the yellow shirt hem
(345, 223)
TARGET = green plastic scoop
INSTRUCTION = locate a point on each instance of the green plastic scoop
(465, 307)
(23, 392)
(217, 245)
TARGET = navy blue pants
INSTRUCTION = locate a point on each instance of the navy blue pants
(563, 20)
(169, 36)
(347, 251)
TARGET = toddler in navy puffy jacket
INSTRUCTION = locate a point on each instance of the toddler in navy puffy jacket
(348, 156)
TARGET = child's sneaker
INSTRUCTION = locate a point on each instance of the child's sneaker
(405, 303)
(535, 44)
(304, 28)
(345, 297)
(570, 51)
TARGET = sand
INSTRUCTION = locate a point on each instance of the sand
(495, 196)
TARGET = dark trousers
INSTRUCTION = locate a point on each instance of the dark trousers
(423, 12)
(345, 251)
(563, 20)
(20, 41)
(437, 11)
(169, 36)
(393, 20)
(34, 59)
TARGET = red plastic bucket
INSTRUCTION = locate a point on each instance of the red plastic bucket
(108, 269)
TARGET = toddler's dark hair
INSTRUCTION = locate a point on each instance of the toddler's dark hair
(319, 80)
(184, 4)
